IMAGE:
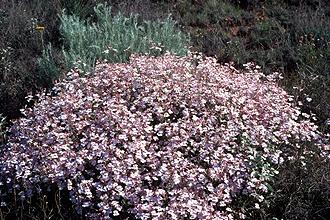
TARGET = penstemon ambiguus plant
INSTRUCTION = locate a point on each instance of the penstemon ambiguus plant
(159, 138)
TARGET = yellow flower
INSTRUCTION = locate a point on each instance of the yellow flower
(40, 28)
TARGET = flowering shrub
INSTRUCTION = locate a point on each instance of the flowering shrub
(158, 138)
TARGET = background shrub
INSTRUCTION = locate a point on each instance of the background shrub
(115, 38)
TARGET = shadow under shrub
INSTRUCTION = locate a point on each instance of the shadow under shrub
(302, 191)
(49, 203)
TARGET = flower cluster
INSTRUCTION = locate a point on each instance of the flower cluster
(159, 138)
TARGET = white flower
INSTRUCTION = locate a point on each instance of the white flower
(69, 185)
(115, 213)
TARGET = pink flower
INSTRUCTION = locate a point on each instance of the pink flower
(167, 138)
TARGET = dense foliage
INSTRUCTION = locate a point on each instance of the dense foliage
(290, 36)
(165, 137)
